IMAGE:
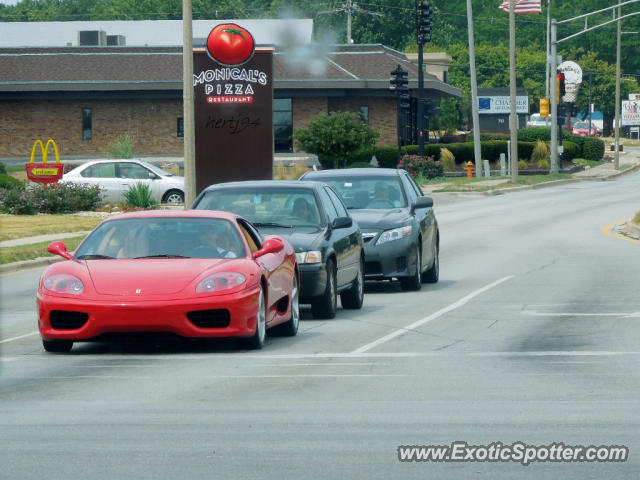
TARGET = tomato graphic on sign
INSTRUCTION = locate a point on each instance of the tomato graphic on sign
(230, 44)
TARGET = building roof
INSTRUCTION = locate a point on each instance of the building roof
(150, 32)
(297, 67)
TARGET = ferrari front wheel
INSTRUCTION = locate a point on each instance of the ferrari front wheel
(57, 346)
(256, 342)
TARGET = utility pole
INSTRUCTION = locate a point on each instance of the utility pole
(349, 9)
(475, 117)
(617, 117)
(513, 118)
(187, 105)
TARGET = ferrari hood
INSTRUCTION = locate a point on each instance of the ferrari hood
(151, 276)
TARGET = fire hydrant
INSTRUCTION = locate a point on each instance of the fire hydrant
(469, 169)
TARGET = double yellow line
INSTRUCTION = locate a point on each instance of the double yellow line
(607, 231)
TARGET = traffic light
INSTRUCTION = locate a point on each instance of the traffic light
(544, 107)
(560, 86)
(424, 22)
(399, 83)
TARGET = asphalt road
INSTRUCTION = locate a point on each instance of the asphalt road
(532, 335)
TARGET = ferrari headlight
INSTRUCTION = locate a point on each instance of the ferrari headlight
(220, 281)
(312, 256)
(394, 234)
(64, 283)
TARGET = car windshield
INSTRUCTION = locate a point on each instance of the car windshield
(157, 170)
(369, 192)
(582, 125)
(274, 207)
(166, 237)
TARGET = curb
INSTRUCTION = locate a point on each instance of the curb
(25, 264)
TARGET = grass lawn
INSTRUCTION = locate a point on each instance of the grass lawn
(36, 250)
(464, 184)
(19, 226)
(587, 163)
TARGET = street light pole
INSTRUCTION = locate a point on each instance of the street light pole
(554, 99)
(513, 118)
(475, 118)
(617, 118)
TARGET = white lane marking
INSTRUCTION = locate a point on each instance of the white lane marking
(535, 313)
(431, 317)
(224, 376)
(19, 337)
(372, 355)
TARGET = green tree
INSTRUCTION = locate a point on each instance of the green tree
(336, 135)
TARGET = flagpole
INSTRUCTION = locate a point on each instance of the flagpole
(546, 60)
(474, 94)
(513, 119)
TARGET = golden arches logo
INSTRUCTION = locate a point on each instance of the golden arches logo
(40, 172)
(44, 149)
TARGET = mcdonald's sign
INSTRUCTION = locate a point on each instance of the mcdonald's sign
(41, 172)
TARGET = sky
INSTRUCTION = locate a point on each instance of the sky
(9, 2)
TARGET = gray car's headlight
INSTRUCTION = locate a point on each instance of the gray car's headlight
(312, 256)
(394, 234)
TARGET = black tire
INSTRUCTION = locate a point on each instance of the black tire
(256, 342)
(325, 305)
(413, 283)
(432, 274)
(57, 346)
(354, 297)
(173, 197)
(290, 327)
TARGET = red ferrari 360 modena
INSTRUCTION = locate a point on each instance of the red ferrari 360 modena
(193, 273)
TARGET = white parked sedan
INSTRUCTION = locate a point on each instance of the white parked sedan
(115, 177)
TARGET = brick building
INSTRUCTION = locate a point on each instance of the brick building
(85, 96)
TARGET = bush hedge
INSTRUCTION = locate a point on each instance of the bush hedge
(63, 198)
(7, 181)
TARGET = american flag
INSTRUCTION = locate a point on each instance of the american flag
(523, 6)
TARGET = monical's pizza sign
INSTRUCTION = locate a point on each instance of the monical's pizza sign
(233, 107)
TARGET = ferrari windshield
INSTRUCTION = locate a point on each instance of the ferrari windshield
(173, 237)
(274, 207)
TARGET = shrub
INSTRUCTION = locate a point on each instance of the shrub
(3, 168)
(65, 198)
(16, 200)
(447, 160)
(61, 198)
(544, 164)
(540, 154)
(571, 151)
(121, 147)
(7, 181)
(336, 135)
(452, 139)
(592, 148)
(360, 165)
(421, 166)
(139, 195)
(387, 156)
(522, 164)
